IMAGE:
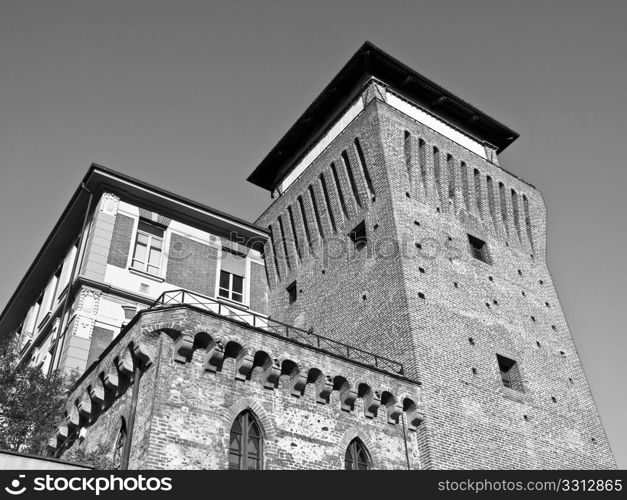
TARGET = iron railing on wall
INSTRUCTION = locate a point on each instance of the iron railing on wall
(247, 317)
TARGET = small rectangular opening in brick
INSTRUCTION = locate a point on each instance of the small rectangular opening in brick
(292, 292)
(479, 249)
(510, 373)
(358, 235)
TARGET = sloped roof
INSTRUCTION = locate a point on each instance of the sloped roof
(370, 61)
(97, 180)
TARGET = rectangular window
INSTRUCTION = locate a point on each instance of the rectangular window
(231, 286)
(232, 272)
(479, 249)
(148, 248)
(510, 374)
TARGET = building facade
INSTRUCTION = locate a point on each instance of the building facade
(129, 255)
(391, 308)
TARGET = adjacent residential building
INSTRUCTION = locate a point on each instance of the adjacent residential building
(392, 308)
(118, 246)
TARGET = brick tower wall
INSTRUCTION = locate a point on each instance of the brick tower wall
(443, 313)
(473, 311)
(343, 293)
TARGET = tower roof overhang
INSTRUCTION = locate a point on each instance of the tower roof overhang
(371, 62)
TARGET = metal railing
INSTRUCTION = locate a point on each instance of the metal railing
(247, 317)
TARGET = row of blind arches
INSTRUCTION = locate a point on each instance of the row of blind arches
(329, 179)
(460, 177)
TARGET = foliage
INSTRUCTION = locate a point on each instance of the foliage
(31, 404)
(99, 458)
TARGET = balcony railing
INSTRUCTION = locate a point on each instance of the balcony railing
(247, 317)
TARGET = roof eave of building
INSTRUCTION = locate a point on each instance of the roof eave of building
(97, 180)
(100, 178)
(370, 61)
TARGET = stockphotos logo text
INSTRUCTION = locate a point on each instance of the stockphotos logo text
(97, 485)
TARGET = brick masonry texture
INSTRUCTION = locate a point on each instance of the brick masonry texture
(121, 241)
(414, 293)
(192, 265)
(309, 404)
(422, 308)
(331, 289)
(258, 288)
(100, 339)
(499, 427)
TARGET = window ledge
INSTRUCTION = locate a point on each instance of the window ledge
(146, 275)
(482, 263)
(230, 302)
(514, 394)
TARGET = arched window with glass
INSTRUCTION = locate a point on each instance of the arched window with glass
(246, 443)
(357, 456)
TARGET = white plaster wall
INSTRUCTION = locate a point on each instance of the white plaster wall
(323, 143)
(434, 123)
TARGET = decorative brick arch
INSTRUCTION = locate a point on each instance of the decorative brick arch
(348, 436)
(172, 333)
(265, 422)
(237, 339)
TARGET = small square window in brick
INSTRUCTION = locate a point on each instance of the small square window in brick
(479, 249)
(510, 373)
(292, 292)
(358, 236)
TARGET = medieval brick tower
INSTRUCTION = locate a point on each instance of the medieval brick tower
(397, 230)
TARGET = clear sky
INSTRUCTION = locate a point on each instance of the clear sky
(191, 95)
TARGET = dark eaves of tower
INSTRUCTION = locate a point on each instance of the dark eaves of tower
(368, 62)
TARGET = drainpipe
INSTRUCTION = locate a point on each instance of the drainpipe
(126, 452)
(78, 256)
(405, 439)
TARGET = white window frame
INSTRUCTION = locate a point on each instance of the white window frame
(246, 285)
(150, 237)
(230, 289)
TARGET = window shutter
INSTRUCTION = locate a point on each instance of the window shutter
(232, 263)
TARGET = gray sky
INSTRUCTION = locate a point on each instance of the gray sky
(191, 95)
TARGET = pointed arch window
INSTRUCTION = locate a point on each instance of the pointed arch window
(120, 443)
(246, 443)
(357, 456)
